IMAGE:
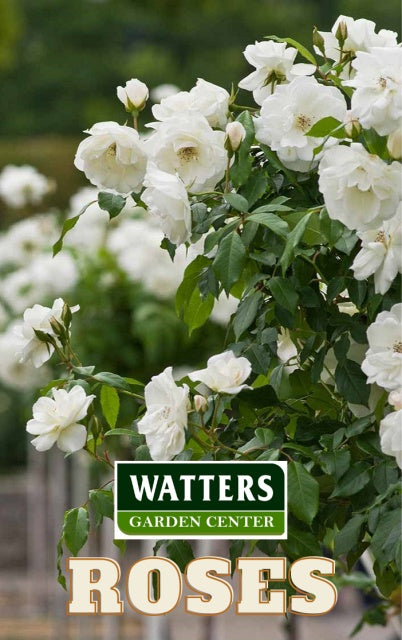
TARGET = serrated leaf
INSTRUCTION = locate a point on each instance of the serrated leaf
(336, 462)
(284, 293)
(353, 481)
(111, 202)
(303, 492)
(242, 167)
(246, 313)
(351, 382)
(229, 260)
(112, 379)
(180, 552)
(293, 240)
(237, 202)
(110, 403)
(76, 529)
(300, 544)
(271, 221)
(349, 535)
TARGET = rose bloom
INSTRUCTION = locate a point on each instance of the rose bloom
(167, 200)
(56, 420)
(187, 145)
(21, 186)
(14, 374)
(274, 64)
(30, 348)
(359, 188)
(383, 361)
(391, 435)
(112, 157)
(27, 238)
(133, 95)
(205, 98)
(225, 373)
(165, 420)
(381, 253)
(287, 351)
(289, 113)
(377, 101)
(361, 36)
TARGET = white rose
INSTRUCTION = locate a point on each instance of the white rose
(395, 399)
(211, 101)
(394, 143)
(165, 420)
(235, 134)
(167, 200)
(383, 361)
(274, 64)
(289, 113)
(112, 157)
(13, 374)
(20, 186)
(381, 253)
(359, 189)
(391, 435)
(57, 420)
(173, 105)
(377, 101)
(27, 238)
(30, 348)
(163, 91)
(287, 351)
(133, 95)
(361, 36)
(188, 146)
(225, 373)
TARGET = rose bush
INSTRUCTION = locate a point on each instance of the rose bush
(282, 221)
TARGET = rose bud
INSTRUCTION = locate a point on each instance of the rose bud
(133, 95)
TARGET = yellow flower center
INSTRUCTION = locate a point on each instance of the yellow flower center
(303, 122)
(111, 151)
(398, 346)
(187, 154)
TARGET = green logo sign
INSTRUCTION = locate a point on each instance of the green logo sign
(200, 499)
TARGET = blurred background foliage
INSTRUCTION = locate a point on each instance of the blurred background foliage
(61, 60)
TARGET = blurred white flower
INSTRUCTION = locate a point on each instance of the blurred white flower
(289, 113)
(186, 145)
(163, 91)
(381, 253)
(14, 374)
(235, 134)
(20, 186)
(224, 308)
(391, 435)
(29, 347)
(56, 420)
(361, 36)
(165, 420)
(90, 231)
(395, 399)
(274, 64)
(394, 142)
(287, 351)
(167, 201)
(27, 238)
(359, 188)
(383, 361)
(133, 95)
(225, 373)
(377, 101)
(112, 157)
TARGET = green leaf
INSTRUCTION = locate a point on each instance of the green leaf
(349, 536)
(229, 260)
(59, 550)
(67, 226)
(303, 491)
(76, 529)
(110, 403)
(301, 49)
(300, 544)
(190, 280)
(246, 313)
(353, 481)
(112, 379)
(384, 543)
(351, 382)
(324, 127)
(237, 202)
(255, 188)
(259, 358)
(180, 552)
(336, 462)
(293, 240)
(111, 202)
(235, 551)
(142, 453)
(198, 310)
(242, 167)
(102, 503)
(271, 221)
(284, 293)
